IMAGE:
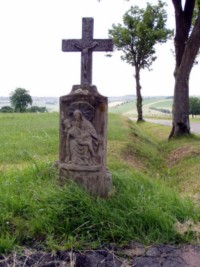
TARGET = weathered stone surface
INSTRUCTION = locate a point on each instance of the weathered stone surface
(153, 252)
(173, 262)
(147, 262)
(134, 249)
(191, 255)
(83, 139)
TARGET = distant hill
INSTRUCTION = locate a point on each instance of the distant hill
(152, 106)
(51, 103)
(117, 104)
(121, 98)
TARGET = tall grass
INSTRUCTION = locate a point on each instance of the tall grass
(35, 209)
(28, 137)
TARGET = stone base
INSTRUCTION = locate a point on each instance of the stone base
(83, 140)
(96, 183)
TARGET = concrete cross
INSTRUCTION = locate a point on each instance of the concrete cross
(86, 46)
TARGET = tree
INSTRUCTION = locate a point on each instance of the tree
(194, 106)
(187, 44)
(20, 99)
(6, 109)
(142, 30)
(35, 109)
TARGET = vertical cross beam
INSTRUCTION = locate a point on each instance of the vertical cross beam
(86, 46)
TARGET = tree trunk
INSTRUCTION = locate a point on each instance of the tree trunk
(138, 94)
(186, 48)
(181, 123)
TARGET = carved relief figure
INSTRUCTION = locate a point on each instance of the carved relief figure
(85, 56)
(81, 141)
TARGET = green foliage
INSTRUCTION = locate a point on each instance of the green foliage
(34, 109)
(20, 99)
(142, 29)
(6, 109)
(194, 106)
(196, 11)
(162, 110)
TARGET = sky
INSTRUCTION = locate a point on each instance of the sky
(31, 35)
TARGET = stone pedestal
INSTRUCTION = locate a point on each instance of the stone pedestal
(83, 139)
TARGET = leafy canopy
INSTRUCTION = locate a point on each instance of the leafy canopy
(142, 29)
(194, 106)
(20, 99)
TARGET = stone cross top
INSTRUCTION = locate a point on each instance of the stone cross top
(86, 46)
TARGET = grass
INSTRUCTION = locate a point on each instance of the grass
(167, 103)
(28, 138)
(145, 204)
(129, 108)
(179, 158)
(124, 107)
(131, 105)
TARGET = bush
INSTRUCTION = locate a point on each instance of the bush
(194, 106)
(7, 109)
(37, 109)
(163, 110)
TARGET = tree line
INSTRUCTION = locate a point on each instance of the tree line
(21, 101)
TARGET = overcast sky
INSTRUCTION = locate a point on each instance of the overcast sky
(30, 49)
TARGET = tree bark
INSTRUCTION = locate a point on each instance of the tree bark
(138, 94)
(186, 49)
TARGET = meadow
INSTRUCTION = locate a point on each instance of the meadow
(155, 197)
(151, 107)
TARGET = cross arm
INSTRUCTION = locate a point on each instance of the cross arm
(75, 45)
(71, 45)
(103, 45)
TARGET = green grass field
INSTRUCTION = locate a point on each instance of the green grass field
(129, 108)
(155, 193)
(28, 138)
(166, 103)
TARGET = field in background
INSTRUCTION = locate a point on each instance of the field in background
(152, 107)
(123, 105)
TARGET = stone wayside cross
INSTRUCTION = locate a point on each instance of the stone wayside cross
(86, 46)
(83, 121)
